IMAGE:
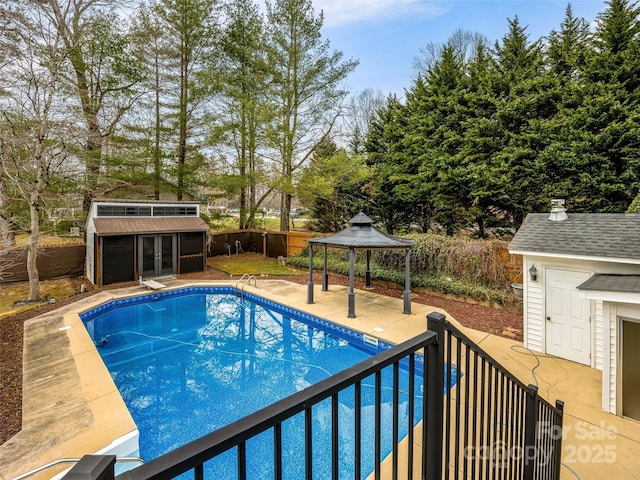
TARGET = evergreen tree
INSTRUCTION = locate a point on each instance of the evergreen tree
(483, 182)
(521, 103)
(608, 121)
(332, 186)
(561, 166)
(434, 112)
(149, 130)
(191, 30)
(242, 77)
(394, 171)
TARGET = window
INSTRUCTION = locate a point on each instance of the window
(123, 211)
(174, 211)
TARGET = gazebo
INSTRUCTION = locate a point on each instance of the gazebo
(360, 234)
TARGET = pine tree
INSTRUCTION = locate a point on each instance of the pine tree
(566, 57)
(393, 198)
(305, 89)
(242, 77)
(435, 113)
(608, 120)
(190, 32)
(521, 102)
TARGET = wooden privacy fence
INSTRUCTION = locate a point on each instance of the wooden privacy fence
(271, 244)
(68, 260)
(52, 262)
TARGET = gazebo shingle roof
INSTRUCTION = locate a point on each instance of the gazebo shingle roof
(362, 234)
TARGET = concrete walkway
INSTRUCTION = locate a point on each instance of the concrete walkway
(71, 406)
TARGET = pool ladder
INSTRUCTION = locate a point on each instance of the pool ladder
(243, 282)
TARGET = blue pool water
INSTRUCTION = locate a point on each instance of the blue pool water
(190, 361)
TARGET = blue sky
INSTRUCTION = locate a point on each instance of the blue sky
(386, 35)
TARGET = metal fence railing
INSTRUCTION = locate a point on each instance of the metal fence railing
(495, 427)
(487, 425)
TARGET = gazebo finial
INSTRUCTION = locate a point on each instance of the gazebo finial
(361, 219)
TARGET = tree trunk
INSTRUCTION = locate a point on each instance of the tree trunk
(156, 146)
(6, 233)
(182, 124)
(243, 202)
(32, 250)
(243, 173)
(93, 154)
(285, 211)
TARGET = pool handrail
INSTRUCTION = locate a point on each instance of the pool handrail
(62, 461)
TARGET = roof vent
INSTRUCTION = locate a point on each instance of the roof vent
(558, 212)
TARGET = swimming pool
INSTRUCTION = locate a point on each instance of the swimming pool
(190, 361)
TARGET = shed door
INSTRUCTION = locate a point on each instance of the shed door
(630, 369)
(568, 326)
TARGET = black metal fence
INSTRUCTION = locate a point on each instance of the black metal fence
(487, 424)
(495, 427)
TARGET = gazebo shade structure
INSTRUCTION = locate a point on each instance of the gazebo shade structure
(363, 235)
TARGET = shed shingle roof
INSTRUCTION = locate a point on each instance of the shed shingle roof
(137, 225)
(609, 235)
(612, 283)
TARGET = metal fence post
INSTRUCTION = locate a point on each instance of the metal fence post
(557, 453)
(530, 433)
(434, 399)
(93, 467)
(352, 295)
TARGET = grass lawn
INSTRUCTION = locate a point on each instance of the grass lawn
(14, 292)
(252, 264)
(231, 223)
(49, 240)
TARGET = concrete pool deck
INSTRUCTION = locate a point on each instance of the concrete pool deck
(71, 406)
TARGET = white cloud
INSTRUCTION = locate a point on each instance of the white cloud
(342, 12)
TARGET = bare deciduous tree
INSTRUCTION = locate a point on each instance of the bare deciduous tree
(32, 132)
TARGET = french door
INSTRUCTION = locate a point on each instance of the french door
(157, 255)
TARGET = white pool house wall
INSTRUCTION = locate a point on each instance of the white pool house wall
(604, 314)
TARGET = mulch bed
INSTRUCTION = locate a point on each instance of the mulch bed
(480, 317)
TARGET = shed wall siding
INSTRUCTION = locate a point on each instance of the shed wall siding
(613, 360)
(90, 267)
(534, 330)
(598, 344)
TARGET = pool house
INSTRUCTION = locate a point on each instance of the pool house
(128, 239)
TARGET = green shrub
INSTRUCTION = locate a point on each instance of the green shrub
(456, 265)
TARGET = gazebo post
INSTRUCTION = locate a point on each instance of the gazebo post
(367, 276)
(352, 295)
(325, 274)
(407, 284)
(310, 282)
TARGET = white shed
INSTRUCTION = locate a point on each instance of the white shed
(581, 293)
